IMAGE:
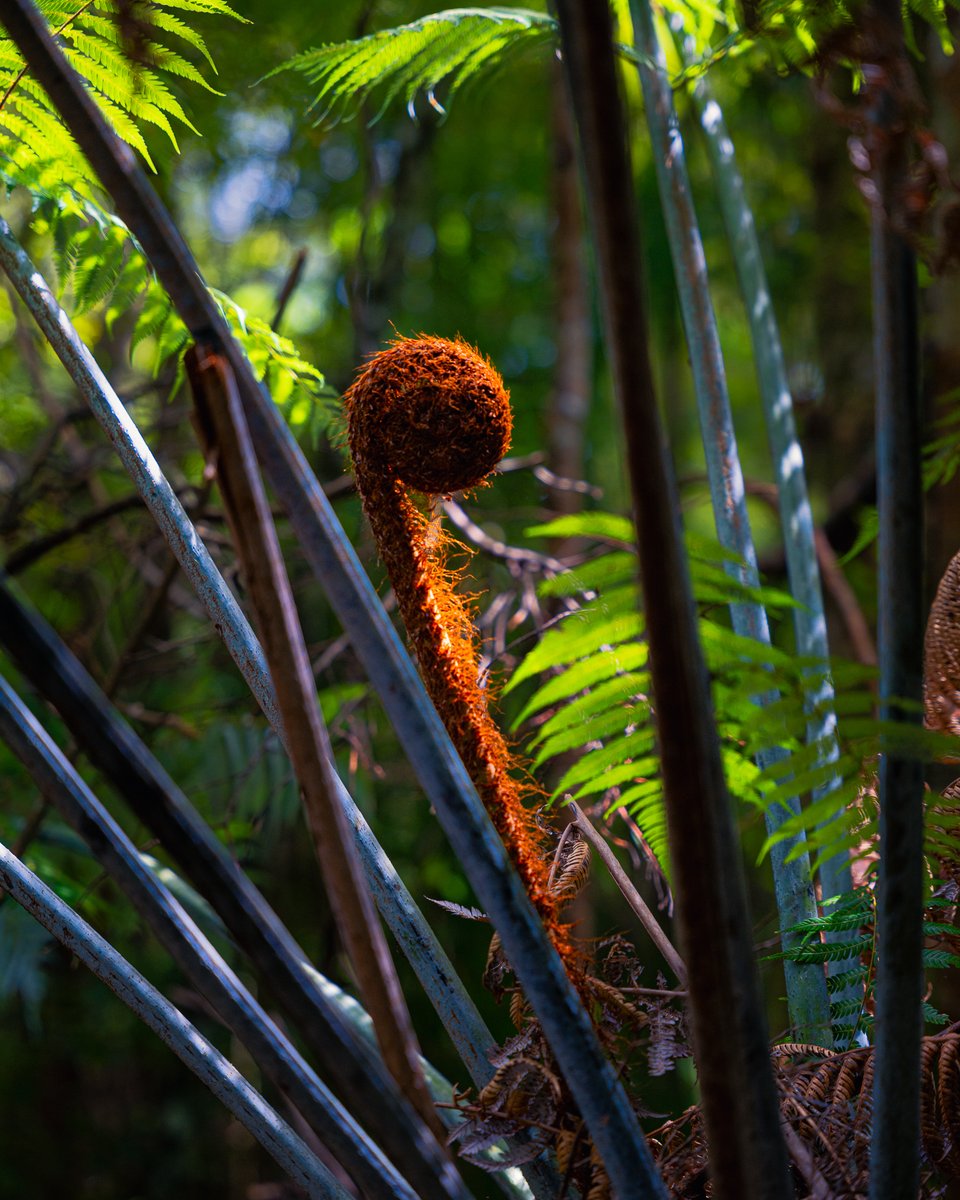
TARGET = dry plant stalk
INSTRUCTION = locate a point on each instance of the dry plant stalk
(433, 416)
(228, 447)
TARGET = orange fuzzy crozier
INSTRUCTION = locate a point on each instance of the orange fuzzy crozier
(433, 415)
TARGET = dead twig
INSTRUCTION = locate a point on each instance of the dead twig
(496, 548)
(803, 1161)
(630, 893)
(294, 275)
(229, 448)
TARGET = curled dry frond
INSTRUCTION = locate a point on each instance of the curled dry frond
(572, 872)
(826, 1100)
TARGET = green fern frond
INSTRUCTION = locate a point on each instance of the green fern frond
(845, 1008)
(939, 959)
(851, 913)
(845, 981)
(591, 700)
(857, 911)
(824, 952)
(36, 151)
(101, 264)
(450, 47)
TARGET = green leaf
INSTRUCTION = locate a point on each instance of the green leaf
(818, 952)
(939, 959)
(578, 636)
(843, 980)
(610, 694)
(37, 152)
(598, 525)
(595, 762)
(617, 775)
(602, 725)
(602, 573)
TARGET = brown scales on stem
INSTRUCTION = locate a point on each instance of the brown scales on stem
(433, 416)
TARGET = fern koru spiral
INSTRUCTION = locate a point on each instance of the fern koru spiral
(433, 416)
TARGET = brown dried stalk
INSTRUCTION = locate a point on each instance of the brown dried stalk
(228, 446)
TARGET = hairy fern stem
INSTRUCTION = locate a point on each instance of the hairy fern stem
(433, 415)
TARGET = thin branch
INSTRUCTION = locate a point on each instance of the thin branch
(25, 556)
(623, 881)
(561, 845)
(680, 993)
(803, 1161)
(495, 547)
(294, 275)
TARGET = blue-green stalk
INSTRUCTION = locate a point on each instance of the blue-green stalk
(806, 987)
(796, 517)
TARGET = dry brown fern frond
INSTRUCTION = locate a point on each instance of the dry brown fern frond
(571, 870)
(941, 655)
(826, 1102)
(528, 1099)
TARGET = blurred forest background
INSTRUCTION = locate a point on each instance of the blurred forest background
(346, 234)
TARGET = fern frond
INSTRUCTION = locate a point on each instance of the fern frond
(36, 151)
(845, 980)
(591, 700)
(449, 47)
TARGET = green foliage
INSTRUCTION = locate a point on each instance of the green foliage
(450, 47)
(36, 150)
(823, 940)
(96, 256)
(457, 46)
(101, 264)
(942, 452)
(592, 701)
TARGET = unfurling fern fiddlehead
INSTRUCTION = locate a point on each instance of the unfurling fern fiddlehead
(433, 416)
